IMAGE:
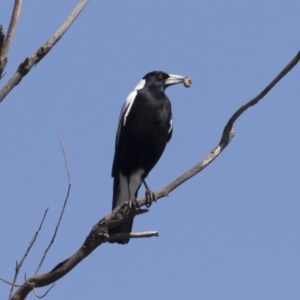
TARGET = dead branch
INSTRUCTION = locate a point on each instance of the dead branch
(19, 265)
(29, 62)
(2, 61)
(131, 235)
(63, 208)
(11, 283)
(95, 238)
(10, 34)
(45, 294)
(12, 27)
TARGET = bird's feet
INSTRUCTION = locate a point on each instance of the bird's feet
(150, 197)
(133, 203)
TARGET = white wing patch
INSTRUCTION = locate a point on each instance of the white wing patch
(140, 85)
(171, 125)
(128, 104)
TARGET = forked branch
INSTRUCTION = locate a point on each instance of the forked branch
(5, 45)
(63, 208)
(29, 62)
(20, 263)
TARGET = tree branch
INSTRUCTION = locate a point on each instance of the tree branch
(19, 265)
(45, 294)
(2, 61)
(10, 34)
(29, 62)
(12, 27)
(63, 208)
(96, 237)
(11, 283)
(131, 235)
(256, 99)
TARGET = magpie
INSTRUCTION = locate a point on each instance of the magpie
(145, 127)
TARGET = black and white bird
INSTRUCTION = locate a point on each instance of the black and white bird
(145, 127)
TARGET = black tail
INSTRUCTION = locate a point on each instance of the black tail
(126, 226)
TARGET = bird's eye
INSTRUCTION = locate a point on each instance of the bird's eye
(160, 76)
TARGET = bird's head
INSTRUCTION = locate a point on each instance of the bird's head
(161, 80)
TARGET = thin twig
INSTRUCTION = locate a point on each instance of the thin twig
(10, 34)
(45, 293)
(19, 265)
(123, 212)
(2, 61)
(256, 99)
(65, 159)
(12, 27)
(63, 208)
(12, 284)
(29, 62)
(131, 235)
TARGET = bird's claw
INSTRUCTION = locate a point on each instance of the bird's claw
(133, 203)
(150, 197)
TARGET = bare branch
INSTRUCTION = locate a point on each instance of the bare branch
(255, 100)
(12, 284)
(12, 27)
(63, 208)
(65, 159)
(10, 34)
(131, 235)
(19, 265)
(2, 61)
(95, 238)
(29, 62)
(45, 293)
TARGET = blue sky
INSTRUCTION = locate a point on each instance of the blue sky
(232, 232)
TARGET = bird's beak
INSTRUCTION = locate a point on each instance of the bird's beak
(174, 79)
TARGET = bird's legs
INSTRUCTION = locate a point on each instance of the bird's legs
(132, 200)
(149, 195)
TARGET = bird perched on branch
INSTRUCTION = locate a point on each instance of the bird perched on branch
(145, 127)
